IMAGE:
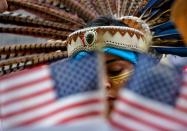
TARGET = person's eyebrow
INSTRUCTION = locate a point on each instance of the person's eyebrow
(112, 60)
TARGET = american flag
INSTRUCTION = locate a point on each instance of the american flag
(63, 93)
(149, 101)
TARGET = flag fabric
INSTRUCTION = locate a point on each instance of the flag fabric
(182, 100)
(64, 93)
(149, 100)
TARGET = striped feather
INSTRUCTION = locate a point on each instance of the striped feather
(60, 14)
(20, 63)
(82, 11)
(33, 31)
(11, 18)
(32, 48)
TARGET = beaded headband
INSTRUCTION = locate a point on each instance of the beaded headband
(136, 37)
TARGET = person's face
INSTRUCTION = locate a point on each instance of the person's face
(117, 70)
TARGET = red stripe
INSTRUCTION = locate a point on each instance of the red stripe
(152, 111)
(24, 98)
(80, 116)
(23, 85)
(25, 110)
(183, 96)
(184, 84)
(181, 108)
(74, 105)
(119, 126)
(140, 120)
(20, 73)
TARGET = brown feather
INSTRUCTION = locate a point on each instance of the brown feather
(33, 31)
(34, 21)
(102, 4)
(11, 51)
(21, 63)
(87, 3)
(47, 10)
(81, 10)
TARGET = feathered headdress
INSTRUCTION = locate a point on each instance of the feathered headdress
(148, 21)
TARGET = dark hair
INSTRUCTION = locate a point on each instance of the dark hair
(105, 21)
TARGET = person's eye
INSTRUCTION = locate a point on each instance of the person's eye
(115, 72)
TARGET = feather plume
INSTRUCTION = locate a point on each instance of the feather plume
(87, 3)
(81, 10)
(33, 31)
(33, 47)
(102, 4)
(20, 63)
(50, 11)
(17, 19)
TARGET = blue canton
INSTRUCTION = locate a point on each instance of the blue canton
(75, 76)
(155, 81)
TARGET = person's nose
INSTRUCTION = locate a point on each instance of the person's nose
(107, 84)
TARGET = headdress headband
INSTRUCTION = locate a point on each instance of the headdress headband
(112, 36)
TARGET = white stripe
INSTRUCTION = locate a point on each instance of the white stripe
(82, 96)
(154, 105)
(148, 117)
(25, 78)
(28, 103)
(50, 108)
(132, 124)
(53, 120)
(182, 103)
(27, 90)
(94, 124)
